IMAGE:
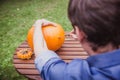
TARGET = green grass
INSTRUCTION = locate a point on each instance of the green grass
(16, 18)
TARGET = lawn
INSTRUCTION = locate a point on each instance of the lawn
(16, 18)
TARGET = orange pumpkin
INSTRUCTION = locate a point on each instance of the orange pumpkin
(54, 36)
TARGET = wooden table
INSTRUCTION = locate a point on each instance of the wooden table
(71, 49)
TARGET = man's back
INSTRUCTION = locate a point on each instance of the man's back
(104, 66)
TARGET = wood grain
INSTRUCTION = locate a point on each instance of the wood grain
(71, 49)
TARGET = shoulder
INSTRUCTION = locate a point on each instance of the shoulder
(78, 62)
(78, 65)
(77, 69)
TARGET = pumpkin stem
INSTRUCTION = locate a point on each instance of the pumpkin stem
(24, 51)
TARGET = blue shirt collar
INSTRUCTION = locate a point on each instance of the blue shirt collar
(105, 60)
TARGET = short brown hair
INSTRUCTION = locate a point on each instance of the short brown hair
(98, 19)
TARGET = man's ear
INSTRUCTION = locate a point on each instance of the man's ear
(80, 34)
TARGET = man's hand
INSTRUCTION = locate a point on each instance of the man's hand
(73, 34)
(44, 22)
(38, 39)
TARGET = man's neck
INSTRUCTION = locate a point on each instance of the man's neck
(100, 50)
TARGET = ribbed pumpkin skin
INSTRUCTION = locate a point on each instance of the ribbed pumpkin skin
(54, 36)
(24, 54)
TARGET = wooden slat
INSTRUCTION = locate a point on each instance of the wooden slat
(19, 61)
(35, 77)
(71, 49)
(71, 45)
(71, 42)
(64, 57)
(72, 53)
(28, 71)
(82, 53)
(65, 49)
(73, 57)
(24, 66)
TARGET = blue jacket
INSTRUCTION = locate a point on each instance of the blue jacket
(104, 66)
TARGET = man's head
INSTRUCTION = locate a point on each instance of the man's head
(99, 20)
